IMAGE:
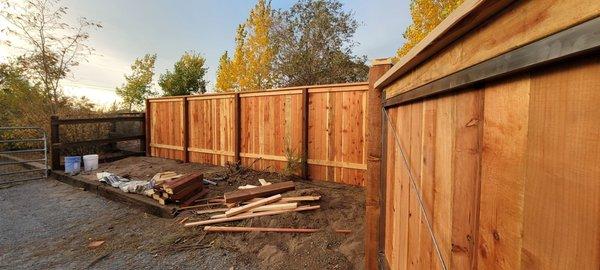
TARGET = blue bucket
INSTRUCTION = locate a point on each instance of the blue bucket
(72, 164)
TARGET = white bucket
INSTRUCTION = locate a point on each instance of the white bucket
(90, 162)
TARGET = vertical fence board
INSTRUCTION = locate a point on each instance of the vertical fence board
(504, 145)
(562, 193)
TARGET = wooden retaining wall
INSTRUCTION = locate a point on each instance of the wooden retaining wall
(492, 142)
(271, 128)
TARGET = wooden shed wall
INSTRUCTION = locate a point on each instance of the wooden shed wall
(271, 128)
(507, 171)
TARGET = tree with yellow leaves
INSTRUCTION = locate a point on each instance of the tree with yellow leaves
(225, 79)
(258, 48)
(426, 15)
(251, 66)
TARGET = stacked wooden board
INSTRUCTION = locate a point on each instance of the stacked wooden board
(184, 190)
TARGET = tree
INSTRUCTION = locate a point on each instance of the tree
(138, 85)
(426, 15)
(187, 76)
(259, 50)
(225, 77)
(314, 44)
(251, 67)
(50, 46)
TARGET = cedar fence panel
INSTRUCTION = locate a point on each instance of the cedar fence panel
(490, 156)
(167, 127)
(271, 127)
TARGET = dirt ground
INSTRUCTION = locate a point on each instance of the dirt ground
(166, 240)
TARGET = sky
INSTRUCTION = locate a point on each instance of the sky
(133, 28)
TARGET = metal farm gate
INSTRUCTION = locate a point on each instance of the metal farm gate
(23, 154)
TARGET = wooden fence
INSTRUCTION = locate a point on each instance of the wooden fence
(491, 142)
(326, 124)
(59, 146)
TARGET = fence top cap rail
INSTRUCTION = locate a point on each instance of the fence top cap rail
(175, 98)
(465, 17)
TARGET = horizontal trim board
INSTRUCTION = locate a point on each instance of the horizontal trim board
(271, 93)
(262, 156)
(210, 97)
(209, 151)
(166, 100)
(469, 15)
(101, 120)
(68, 145)
(339, 164)
(165, 146)
(328, 163)
(571, 42)
(333, 90)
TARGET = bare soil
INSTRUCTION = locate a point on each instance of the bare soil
(342, 207)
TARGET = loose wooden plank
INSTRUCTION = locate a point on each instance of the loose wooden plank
(273, 207)
(259, 229)
(247, 194)
(250, 215)
(247, 207)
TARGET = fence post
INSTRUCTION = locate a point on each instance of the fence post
(305, 134)
(54, 139)
(237, 125)
(148, 125)
(185, 127)
(374, 155)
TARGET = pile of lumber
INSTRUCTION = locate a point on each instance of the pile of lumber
(184, 190)
(265, 200)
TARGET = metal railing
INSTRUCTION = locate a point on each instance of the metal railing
(23, 145)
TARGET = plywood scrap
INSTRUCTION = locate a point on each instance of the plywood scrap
(247, 187)
(250, 215)
(258, 229)
(262, 191)
(247, 207)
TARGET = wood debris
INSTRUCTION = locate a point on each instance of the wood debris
(96, 244)
(262, 191)
(171, 187)
(258, 229)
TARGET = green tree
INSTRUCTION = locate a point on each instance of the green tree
(49, 46)
(138, 85)
(314, 44)
(225, 78)
(186, 78)
(426, 15)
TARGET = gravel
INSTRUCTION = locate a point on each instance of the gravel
(46, 224)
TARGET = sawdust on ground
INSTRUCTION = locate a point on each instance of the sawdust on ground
(342, 207)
